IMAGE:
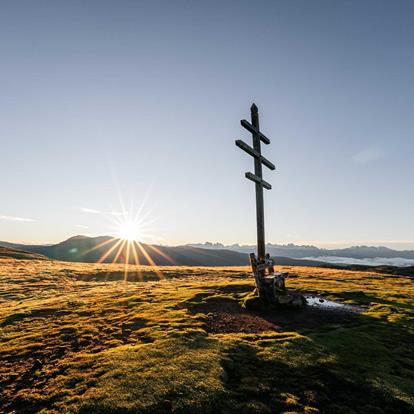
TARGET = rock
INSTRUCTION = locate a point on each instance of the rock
(298, 301)
(291, 299)
(285, 299)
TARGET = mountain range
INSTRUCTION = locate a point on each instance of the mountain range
(308, 251)
(106, 249)
(91, 249)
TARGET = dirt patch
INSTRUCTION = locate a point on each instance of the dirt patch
(227, 316)
(224, 316)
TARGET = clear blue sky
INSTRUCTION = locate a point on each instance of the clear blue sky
(101, 98)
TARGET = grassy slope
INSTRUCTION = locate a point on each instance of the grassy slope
(76, 338)
(20, 254)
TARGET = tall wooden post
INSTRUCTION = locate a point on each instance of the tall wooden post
(262, 263)
(269, 283)
(259, 187)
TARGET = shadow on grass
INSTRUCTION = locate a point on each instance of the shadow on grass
(361, 369)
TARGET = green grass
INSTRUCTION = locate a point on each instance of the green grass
(76, 338)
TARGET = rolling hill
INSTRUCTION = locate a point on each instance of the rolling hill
(92, 249)
(20, 254)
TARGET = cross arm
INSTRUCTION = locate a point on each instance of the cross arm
(251, 151)
(253, 130)
(258, 180)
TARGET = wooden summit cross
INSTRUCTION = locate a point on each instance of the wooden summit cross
(270, 284)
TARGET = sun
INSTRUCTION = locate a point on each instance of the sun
(129, 230)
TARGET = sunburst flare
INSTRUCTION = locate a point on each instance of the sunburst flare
(130, 228)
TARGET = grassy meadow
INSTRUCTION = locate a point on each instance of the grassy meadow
(75, 338)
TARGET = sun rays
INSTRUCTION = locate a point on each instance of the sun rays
(130, 228)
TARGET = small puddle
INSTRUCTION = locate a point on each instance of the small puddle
(318, 302)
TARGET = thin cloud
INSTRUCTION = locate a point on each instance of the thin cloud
(81, 226)
(367, 155)
(110, 213)
(14, 218)
(90, 210)
(116, 213)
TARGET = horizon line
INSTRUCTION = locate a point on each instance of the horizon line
(329, 245)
